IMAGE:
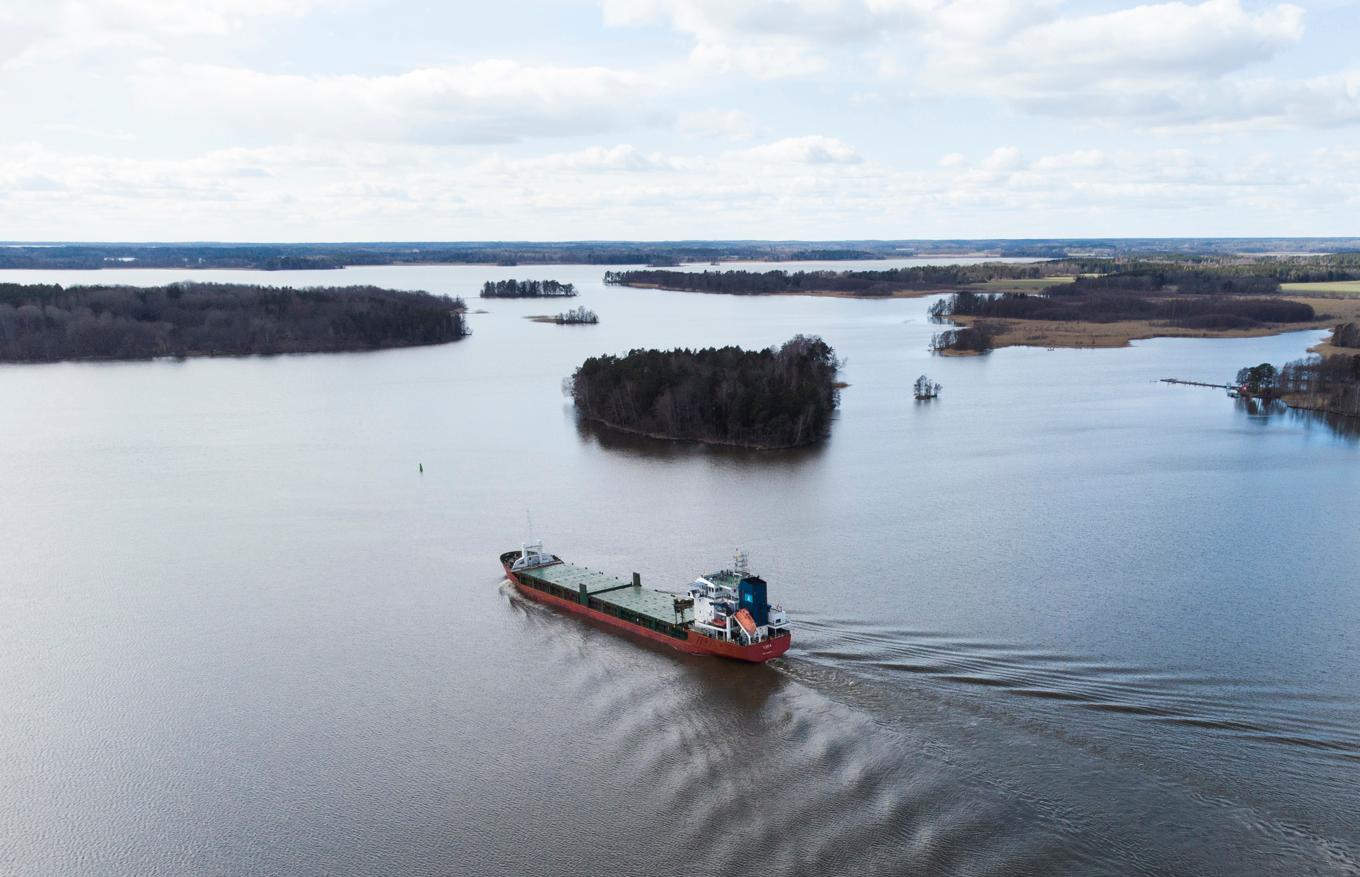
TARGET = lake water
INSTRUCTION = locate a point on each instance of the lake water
(1064, 619)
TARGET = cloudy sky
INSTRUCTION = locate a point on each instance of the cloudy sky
(653, 119)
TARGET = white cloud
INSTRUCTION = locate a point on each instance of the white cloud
(1167, 63)
(1326, 101)
(812, 149)
(1003, 158)
(1164, 61)
(483, 102)
(765, 39)
(593, 159)
(1031, 36)
(785, 188)
(719, 124)
(766, 59)
(721, 20)
(44, 30)
(225, 118)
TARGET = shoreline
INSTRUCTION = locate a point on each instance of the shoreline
(204, 354)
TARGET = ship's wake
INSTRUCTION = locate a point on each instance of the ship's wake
(1255, 710)
(881, 751)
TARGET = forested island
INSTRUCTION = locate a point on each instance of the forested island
(48, 323)
(773, 398)
(527, 289)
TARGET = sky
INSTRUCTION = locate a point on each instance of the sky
(406, 120)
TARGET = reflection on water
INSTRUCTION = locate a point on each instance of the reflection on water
(621, 441)
(1340, 425)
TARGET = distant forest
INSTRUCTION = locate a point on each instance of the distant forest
(1181, 270)
(773, 398)
(527, 289)
(1192, 281)
(865, 283)
(1188, 274)
(338, 255)
(45, 323)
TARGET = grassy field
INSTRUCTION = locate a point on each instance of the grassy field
(1028, 284)
(1331, 287)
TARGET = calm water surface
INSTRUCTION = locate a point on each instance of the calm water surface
(1065, 619)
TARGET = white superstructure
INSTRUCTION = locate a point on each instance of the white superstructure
(719, 611)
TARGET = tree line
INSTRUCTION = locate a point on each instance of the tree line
(527, 289)
(1183, 280)
(1107, 305)
(1327, 383)
(45, 323)
(1186, 268)
(773, 398)
(1190, 275)
(1322, 383)
(866, 283)
(978, 338)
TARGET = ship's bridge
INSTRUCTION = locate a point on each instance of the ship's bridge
(730, 605)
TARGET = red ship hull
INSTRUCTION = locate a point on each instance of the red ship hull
(695, 644)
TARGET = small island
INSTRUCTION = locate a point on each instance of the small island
(775, 398)
(50, 323)
(925, 389)
(527, 289)
(580, 316)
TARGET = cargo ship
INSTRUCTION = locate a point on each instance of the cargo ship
(725, 613)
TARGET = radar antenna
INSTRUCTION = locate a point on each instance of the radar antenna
(741, 564)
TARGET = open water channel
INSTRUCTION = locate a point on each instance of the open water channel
(1064, 619)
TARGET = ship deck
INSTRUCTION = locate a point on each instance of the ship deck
(645, 601)
(656, 605)
(571, 578)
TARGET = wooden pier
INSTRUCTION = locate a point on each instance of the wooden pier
(1197, 384)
